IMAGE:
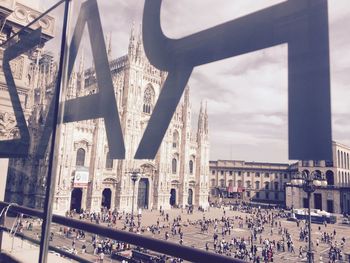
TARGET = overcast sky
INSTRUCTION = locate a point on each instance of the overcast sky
(247, 95)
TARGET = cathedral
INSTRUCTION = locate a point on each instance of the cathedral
(86, 177)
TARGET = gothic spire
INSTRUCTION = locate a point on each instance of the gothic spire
(109, 46)
(140, 34)
(81, 62)
(187, 96)
(200, 129)
(132, 41)
(206, 117)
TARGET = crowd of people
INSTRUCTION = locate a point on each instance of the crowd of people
(268, 235)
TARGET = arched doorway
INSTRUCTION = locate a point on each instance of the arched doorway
(142, 195)
(330, 177)
(190, 197)
(75, 200)
(172, 200)
(106, 198)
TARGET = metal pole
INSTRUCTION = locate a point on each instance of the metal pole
(309, 254)
(132, 205)
(292, 198)
(51, 174)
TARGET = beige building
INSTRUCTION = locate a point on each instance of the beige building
(249, 181)
(87, 178)
(270, 182)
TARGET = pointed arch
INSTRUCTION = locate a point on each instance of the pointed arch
(148, 99)
(109, 161)
(80, 159)
(174, 166)
(190, 166)
(176, 137)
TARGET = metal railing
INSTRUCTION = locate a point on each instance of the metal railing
(160, 246)
(52, 248)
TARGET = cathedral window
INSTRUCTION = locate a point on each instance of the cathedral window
(80, 161)
(191, 166)
(148, 99)
(174, 166)
(175, 139)
(109, 161)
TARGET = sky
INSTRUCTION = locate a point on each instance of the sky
(246, 95)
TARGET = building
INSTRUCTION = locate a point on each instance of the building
(270, 182)
(334, 198)
(25, 72)
(249, 181)
(87, 178)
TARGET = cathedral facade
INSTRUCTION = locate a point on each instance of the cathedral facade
(86, 176)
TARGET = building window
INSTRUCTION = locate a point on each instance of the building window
(191, 166)
(248, 174)
(285, 176)
(239, 183)
(213, 172)
(109, 162)
(257, 195)
(222, 172)
(174, 166)
(230, 183)
(80, 161)
(248, 184)
(266, 175)
(248, 194)
(276, 186)
(257, 185)
(267, 195)
(276, 196)
(329, 164)
(175, 139)
(305, 163)
(222, 183)
(317, 163)
(267, 185)
(231, 172)
(257, 174)
(239, 173)
(148, 99)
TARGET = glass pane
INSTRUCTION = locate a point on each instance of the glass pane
(29, 66)
(244, 83)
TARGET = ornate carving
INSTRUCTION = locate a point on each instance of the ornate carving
(23, 15)
(17, 67)
(8, 129)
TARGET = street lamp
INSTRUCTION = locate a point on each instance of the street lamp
(309, 182)
(134, 177)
